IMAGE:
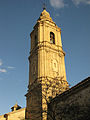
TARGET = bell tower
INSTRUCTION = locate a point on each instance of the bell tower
(47, 76)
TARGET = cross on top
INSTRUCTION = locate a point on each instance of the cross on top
(44, 6)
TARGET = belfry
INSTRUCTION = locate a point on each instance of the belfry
(47, 76)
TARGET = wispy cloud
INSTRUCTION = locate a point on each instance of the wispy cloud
(62, 4)
(11, 67)
(57, 3)
(77, 2)
(1, 62)
(3, 70)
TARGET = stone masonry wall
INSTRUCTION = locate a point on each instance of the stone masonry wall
(74, 104)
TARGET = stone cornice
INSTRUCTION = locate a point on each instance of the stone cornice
(46, 44)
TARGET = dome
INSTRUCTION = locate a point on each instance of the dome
(45, 16)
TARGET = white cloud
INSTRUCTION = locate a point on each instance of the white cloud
(3, 70)
(61, 3)
(77, 2)
(10, 67)
(57, 3)
(1, 62)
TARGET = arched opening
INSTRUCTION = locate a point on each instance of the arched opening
(52, 38)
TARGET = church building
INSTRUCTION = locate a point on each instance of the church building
(49, 96)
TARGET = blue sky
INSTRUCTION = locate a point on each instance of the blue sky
(17, 18)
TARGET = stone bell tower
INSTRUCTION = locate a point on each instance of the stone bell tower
(47, 76)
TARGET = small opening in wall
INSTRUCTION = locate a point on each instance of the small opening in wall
(52, 37)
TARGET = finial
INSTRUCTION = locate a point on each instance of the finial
(44, 6)
(16, 102)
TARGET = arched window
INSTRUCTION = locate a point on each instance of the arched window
(52, 38)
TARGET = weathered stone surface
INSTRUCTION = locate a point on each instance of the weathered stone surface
(74, 104)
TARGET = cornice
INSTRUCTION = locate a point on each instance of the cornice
(44, 45)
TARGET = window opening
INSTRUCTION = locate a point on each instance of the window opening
(52, 38)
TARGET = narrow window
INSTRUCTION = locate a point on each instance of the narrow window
(35, 40)
(52, 38)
